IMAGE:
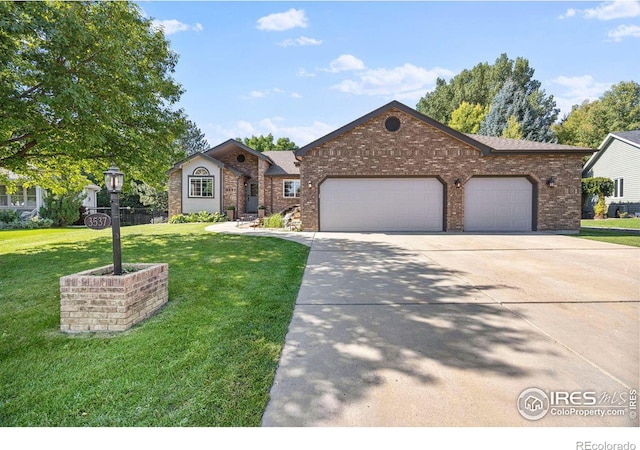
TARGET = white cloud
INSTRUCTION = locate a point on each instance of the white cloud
(265, 93)
(173, 26)
(624, 31)
(304, 74)
(301, 41)
(575, 90)
(295, 95)
(400, 82)
(344, 63)
(617, 9)
(293, 18)
(301, 134)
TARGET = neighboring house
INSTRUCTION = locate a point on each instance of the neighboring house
(24, 199)
(90, 201)
(396, 169)
(232, 174)
(617, 158)
(31, 199)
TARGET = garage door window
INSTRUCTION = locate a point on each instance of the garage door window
(291, 188)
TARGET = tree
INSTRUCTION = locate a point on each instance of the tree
(193, 140)
(600, 186)
(264, 143)
(513, 129)
(83, 85)
(478, 85)
(534, 113)
(467, 117)
(618, 109)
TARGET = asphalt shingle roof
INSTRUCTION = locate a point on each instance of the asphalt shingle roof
(284, 163)
(504, 144)
(632, 136)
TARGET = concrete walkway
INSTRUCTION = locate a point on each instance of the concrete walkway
(449, 329)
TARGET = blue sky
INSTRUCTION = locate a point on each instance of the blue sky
(303, 69)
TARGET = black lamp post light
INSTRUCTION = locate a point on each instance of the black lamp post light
(114, 181)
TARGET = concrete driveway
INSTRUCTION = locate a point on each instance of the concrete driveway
(450, 329)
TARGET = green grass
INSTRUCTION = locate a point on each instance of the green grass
(611, 236)
(206, 359)
(612, 223)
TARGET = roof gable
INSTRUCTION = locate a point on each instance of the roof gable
(405, 109)
(631, 138)
(226, 145)
(485, 144)
(180, 164)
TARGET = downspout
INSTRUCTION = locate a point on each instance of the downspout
(271, 195)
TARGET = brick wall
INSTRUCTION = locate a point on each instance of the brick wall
(175, 193)
(274, 194)
(230, 189)
(92, 302)
(418, 149)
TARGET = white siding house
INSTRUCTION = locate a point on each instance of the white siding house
(618, 158)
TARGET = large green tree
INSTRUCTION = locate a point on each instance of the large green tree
(514, 112)
(82, 85)
(467, 117)
(264, 143)
(478, 85)
(618, 109)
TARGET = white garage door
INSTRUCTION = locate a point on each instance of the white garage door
(498, 204)
(381, 204)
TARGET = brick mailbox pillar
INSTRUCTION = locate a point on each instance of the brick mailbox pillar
(95, 300)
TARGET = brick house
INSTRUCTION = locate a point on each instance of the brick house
(396, 169)
(232, 174)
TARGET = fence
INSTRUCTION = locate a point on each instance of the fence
(134, 216)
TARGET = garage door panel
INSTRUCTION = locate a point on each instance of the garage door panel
(381, 204)
(498, 204)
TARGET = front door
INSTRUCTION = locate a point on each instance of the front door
(252, 198)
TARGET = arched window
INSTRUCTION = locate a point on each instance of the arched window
(200, 172)
(201, 184)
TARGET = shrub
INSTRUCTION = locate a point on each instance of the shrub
(27, 224)
(273, 221)
(9, 216)
(600, 209)
(62, 209)
(201, 216)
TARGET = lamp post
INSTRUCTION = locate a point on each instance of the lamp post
(114, 180)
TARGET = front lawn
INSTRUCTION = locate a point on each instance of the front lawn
(206, 359)
(612, 223)
(611, 236)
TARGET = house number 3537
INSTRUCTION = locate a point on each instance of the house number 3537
(97, 221)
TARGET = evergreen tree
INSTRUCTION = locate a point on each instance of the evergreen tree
(534, 113)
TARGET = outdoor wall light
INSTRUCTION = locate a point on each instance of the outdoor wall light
(551, 182)
(457, 183)
(309, 184)
(114, 181)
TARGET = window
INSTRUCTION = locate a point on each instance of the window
(201, 172)
(3, 196)
(291, 188)
(201, 187)
(30, 196)
(618, 187)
